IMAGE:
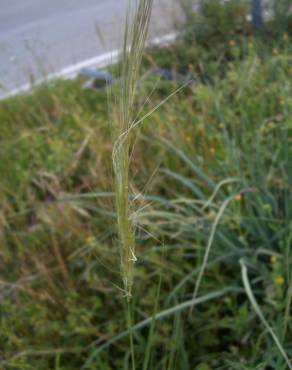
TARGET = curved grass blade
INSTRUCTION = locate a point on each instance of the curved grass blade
(258, 311)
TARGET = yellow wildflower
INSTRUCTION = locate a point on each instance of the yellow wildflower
(274, 259)
(211, 215)
(279, 280)
(238, 197)
(275, 51)
(231, 43)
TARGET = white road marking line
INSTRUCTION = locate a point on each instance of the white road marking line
(71, 72)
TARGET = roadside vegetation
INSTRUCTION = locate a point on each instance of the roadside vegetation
(207, 189)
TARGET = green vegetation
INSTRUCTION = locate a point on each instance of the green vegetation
(210, 201)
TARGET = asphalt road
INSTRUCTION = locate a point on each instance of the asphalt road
(40, 37)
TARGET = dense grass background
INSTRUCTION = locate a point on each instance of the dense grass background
(210, 169)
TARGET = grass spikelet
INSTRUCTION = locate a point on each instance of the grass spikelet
(122, 123)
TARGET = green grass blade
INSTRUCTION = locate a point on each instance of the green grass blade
(258, 311)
